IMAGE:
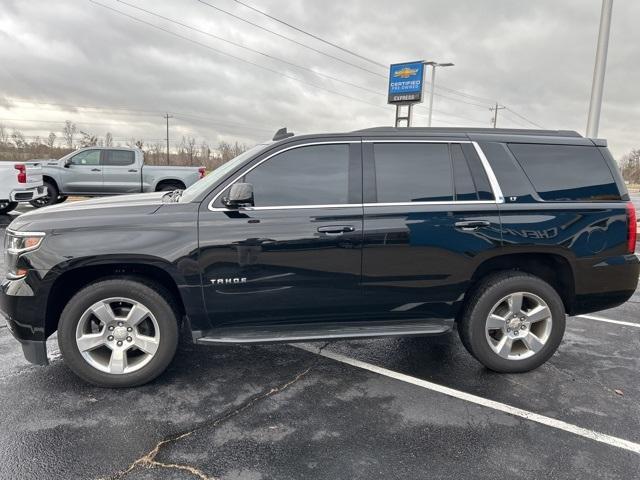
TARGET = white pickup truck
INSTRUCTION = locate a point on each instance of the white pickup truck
(19, 182)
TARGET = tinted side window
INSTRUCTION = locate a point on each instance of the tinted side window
(413, 172)
(313, 175)
(88, 157)
(119, 157)
(566, 172)
(464, 186)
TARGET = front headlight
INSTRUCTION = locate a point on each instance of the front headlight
(15, 245)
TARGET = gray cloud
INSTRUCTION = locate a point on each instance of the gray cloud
(535, 57)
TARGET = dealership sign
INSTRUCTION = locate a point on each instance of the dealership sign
(405, 82)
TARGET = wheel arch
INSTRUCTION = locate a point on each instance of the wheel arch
(169, 181)
(553, 268)
(49, 178)
(71, 280)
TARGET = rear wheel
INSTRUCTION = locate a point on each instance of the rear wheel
(50, 198)
(6, 206)
(119, 332)
(513, 322)
(170, 187)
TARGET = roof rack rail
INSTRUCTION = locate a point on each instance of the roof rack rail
(282, 134)
(451, 130)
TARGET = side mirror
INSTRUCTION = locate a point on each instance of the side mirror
(240, 195)
(67, 163)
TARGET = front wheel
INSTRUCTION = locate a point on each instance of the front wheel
(118, 332)
(6, 206)
(513, 322)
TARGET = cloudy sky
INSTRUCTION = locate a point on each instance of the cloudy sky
(224, 79)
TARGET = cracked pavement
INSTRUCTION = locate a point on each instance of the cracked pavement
(278, 412)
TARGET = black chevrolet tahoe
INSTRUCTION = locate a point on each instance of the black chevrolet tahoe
(381, 232)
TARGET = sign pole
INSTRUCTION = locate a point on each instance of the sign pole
(433, 87)
(597, 86)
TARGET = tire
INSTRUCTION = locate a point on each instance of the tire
(6, 206)
(61, 198)
(519, 343)
(51, 197)
(169, 187)
(100, 364)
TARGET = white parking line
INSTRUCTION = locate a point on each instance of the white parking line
(468, 397)
(608, 320)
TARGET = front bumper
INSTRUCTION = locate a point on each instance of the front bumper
(16, 302)
(28, 194)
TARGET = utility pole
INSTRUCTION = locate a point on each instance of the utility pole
(495, 114)
(433, 84)
(593, 121)
(167, 117)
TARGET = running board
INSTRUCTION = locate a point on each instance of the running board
(309, 332)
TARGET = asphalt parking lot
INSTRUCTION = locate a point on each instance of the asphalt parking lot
(388, 408)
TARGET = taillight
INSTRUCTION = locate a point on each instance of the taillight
(22, 172)
(202, 171)
(632, 228)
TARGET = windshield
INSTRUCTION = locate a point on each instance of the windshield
(208, 182)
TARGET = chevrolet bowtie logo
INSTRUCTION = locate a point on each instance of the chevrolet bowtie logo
(405, 72)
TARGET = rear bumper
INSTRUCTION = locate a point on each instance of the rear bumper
(28, 194)
(17, 304)
(605, 284)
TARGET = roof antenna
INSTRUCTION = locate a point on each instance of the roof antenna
(282, 134)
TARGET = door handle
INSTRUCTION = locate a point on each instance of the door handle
(96, 170)
(336, 229)
(133, 170)
(472, 225)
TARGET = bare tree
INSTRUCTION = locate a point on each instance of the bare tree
(18, 139)
(153, 153)
(51, 140)
(88, 139)
(108, 140)
(191, 149)
(133, 143)
(180, 151)
(228, 151)
(205, 153)
(4, 135)
(69, 132)
(630, 166)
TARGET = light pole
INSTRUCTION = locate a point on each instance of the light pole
(598, 72)
(433, 83)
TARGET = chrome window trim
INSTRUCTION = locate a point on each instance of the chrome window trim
(444, 202)
(286, 207)
(493, 181)
(409, 140)
(351, 205)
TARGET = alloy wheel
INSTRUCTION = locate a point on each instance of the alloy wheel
(117, 335)
(518, 326)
